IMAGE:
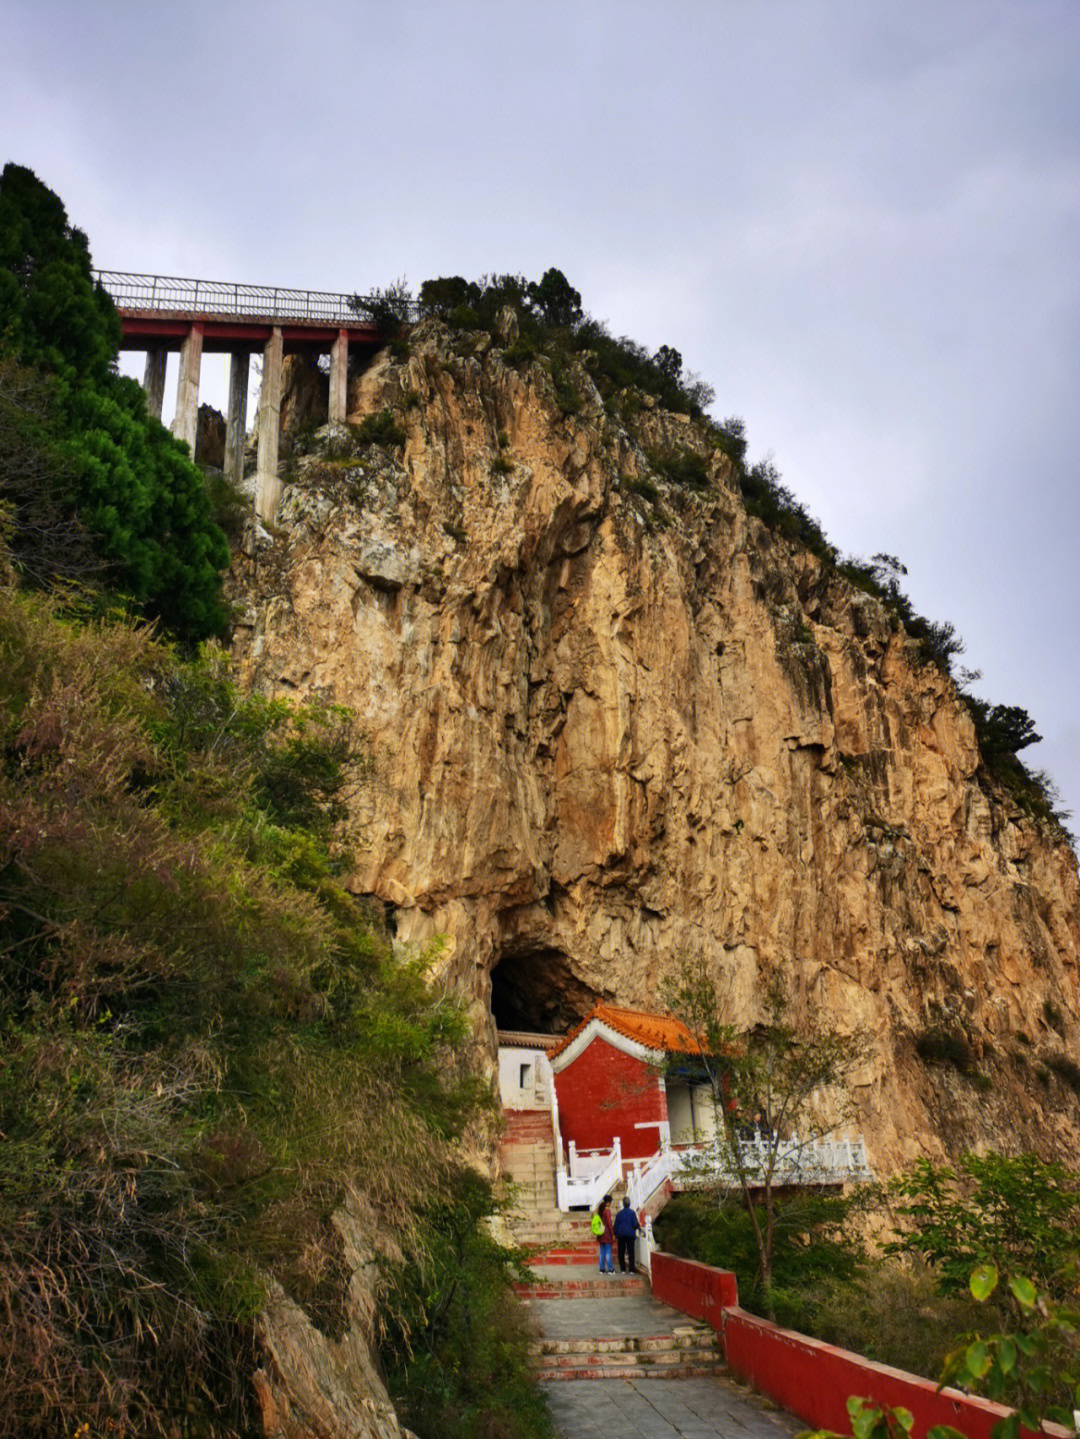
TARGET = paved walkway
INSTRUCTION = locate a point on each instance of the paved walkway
(637, 1314)
(647, 1408)
(664, 1409)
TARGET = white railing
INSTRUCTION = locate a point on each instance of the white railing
(648, 1175)
(590, 1175)
(644, 1246)
(791, 1162)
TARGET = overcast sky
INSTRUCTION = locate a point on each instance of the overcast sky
(859, 221)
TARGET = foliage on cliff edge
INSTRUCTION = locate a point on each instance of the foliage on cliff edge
(100, 465)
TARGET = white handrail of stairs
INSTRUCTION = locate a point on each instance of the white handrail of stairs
(597, 1174)
(797, 1162)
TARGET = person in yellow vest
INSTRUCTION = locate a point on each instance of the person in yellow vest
(605, 1235)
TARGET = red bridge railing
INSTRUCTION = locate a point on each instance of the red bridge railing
(171, 294)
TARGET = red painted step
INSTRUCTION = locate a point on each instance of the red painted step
(607, 1286)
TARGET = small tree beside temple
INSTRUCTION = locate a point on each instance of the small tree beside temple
(766, 1083)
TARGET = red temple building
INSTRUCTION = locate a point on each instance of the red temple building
(617, 1074)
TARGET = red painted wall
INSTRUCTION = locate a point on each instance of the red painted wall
(696, 1289)
(604, 1092)
(811, 1379)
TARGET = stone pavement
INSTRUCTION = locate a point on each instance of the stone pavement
(633, 1314)
(646, 1405)
(708, 1408)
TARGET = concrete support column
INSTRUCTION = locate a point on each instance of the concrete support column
(236, 425)
(267, 484)
(339, 377)
(186, 424)
(154, 381)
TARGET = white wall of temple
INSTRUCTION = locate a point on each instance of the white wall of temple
(524, 1078)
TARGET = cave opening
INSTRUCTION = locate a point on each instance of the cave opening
(534, 990)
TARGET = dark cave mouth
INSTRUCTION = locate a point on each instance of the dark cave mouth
(535, 991)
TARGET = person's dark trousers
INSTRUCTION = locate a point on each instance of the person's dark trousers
(626, 1253)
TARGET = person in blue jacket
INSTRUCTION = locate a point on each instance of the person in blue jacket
(626, 1227)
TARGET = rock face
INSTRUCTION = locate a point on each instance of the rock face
(615, 721)
(311, 1387)
(210, 437)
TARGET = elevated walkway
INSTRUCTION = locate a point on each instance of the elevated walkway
(167, 313)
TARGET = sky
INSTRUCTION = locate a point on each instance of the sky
(860, 222)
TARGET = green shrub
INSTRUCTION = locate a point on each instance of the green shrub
(814, 1240)
(681, 467)
(892, 1313)
(456, 1352)
(380, 428)
(1053, 1015)
(567, 395)
(765, 496)
(1019, 1210)
(501, 465)
(388, 310)
(522, 352)
(730, 438)
(939, 1045)
(640, 485)
(1066, 1069)
(229, 505)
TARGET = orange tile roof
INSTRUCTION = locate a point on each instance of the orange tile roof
(655, 1031)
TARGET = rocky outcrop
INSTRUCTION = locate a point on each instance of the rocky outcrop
(615, 721)
(309, 1386)
(210, 438)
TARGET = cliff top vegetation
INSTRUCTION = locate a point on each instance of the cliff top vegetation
(550, 322)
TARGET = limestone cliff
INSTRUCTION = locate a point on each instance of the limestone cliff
(615, 720)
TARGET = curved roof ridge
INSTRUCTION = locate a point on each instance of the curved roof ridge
(662, 1032)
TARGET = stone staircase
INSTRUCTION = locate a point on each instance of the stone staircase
(685, 1351)
(556, 1238)
(589, 1325)
(527, 1153)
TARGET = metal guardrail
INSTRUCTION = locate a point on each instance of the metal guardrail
(171, 294)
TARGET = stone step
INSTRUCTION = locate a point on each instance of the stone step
(658, 1356)
(579, 1243)
(598, 1286)
(555, 1222)
(523, 1133)
(696, 1339)
(558, 1239)
(568, 1258)
(695, 1370)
